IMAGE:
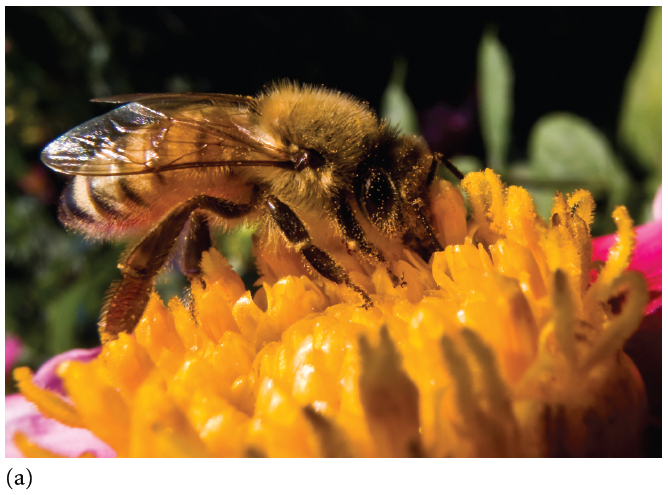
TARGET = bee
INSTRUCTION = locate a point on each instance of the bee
(312, 165)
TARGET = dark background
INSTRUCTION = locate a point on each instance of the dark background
(570, 59)
(57, 59)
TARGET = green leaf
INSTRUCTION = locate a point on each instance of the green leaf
(495, 86)
(640, 118)
(565, 146)
(396, 106)
(237, 247)
(61, 315)
(566, 153)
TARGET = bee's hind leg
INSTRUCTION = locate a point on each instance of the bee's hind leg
(295, 232)
(129, 297)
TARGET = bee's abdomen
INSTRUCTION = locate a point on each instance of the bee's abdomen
(106, 206)
(115, 206)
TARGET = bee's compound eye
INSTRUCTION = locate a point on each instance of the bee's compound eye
(308, 158)
(379, 196)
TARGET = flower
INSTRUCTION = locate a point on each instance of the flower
(48, 437)
(503, 347)
(647, 259)
(645, 345)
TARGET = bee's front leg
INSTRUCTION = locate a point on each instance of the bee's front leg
(129, 297)
(296, 234)
(426, 245)
(355, 236)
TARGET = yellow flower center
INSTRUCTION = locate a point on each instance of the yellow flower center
(500, 346)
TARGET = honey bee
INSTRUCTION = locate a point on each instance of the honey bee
(310, 164)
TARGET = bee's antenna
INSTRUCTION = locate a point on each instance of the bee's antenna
(455, 171)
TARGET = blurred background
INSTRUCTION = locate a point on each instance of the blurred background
(552, 98)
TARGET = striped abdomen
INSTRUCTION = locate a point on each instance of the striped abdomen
(114, 206)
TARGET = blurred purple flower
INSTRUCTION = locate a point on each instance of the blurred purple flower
(446, 128)
(13, 346)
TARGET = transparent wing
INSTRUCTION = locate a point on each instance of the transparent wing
(154, 133)
(181, 99)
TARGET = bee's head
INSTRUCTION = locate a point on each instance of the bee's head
(392, 188)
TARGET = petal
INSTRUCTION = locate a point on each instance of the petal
(22, 416)
(46, 377)
(656, 205)
(646, 258)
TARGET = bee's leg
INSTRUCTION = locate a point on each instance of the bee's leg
(296, 234)
(128, 298)
(431, 242)
(424, 243)
(197, 242)
(355, 237)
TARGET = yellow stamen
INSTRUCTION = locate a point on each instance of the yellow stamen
(49, 403)
(395, 430)
(620, 328)
(620, 253)
(565, 316)
(31, 449)
(499, 346)
(102, 407)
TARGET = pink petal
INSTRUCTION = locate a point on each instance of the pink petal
(646, 258)
(46, 376)
(13, 346)
(23, 416)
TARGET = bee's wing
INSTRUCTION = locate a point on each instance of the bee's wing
(155, 133)
(164, 99)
